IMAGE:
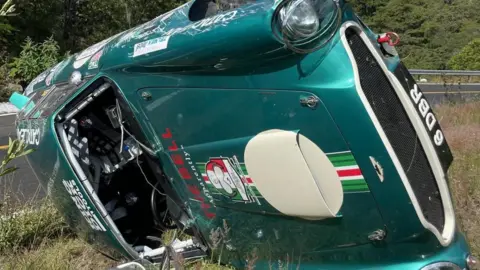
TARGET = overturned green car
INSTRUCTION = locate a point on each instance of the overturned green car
(271, 133)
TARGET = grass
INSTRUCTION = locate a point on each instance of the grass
(63, 253)
(30, 226)
(461, 124)
(37, 238)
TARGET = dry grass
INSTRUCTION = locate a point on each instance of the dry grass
(29, 226)
(461, 124)
(61, 254)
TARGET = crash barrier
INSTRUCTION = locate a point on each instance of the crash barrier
(445, 72)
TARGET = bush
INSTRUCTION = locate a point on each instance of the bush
(7, 84)
(5, 93)
(468, 58)
(34, 59)
(29, 226)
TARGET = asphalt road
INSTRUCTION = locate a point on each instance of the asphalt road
(439, 93)
(25, 186)
(22, 185)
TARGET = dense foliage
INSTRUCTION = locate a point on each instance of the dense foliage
(432, 31)
(33, 60)
(468, 58)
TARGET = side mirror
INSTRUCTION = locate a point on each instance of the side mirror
(19, 100)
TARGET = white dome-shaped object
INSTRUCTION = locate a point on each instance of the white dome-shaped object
(294, 175)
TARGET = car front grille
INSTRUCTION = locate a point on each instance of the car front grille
(399, 130)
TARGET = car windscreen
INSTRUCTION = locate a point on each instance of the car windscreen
(35, 99)
(57, 96)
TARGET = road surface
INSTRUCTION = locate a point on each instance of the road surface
(26, 186)
(439, 93)
(22, 184)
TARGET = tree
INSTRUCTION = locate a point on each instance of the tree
(368, 8)
(7, 10)
(468, 58)
(40, 20)
(431, 31)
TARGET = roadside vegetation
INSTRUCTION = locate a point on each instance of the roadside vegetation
(461, 124)
(34, 236)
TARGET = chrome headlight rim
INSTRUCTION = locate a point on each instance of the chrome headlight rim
(307, 44)
(288, 10)
(442, 266)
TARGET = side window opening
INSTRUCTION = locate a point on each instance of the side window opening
(98, 133)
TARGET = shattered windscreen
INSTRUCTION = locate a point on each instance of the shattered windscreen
(56, 96)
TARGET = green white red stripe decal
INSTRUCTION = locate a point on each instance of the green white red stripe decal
(344, 162)
(349, 172)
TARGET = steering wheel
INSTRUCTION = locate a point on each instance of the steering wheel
(162, 219)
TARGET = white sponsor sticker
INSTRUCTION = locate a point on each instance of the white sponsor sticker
(94, 60)
(86, 54)
(29, 136)
(83, 206)
(152, 45)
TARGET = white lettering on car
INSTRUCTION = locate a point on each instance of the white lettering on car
(29, 135)
(438, 138)
(427, 115)
(82, 205)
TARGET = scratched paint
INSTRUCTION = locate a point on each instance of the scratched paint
(142, 31)
(159, 25)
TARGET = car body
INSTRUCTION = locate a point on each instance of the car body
(260, 141)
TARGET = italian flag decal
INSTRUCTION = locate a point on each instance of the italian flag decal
(227, 176)
(349, 172)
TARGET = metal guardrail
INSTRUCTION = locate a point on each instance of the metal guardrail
(445, 72)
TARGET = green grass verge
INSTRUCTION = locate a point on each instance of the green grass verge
(61, 253)
(34, 236)
(29, 226)
(461, 124)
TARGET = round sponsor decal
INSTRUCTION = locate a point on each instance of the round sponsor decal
(95, 59)
(226, 176)
(219, 176)
(85, 55)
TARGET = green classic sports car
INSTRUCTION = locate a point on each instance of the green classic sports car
(270, 132)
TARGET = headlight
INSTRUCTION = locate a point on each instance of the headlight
(442, 266)
(306, 25)
(299, 19)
